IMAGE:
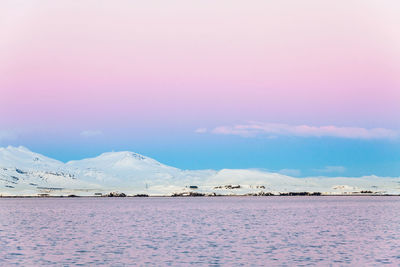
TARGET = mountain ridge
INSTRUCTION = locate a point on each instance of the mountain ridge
(23, 172)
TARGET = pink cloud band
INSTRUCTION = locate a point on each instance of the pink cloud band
(253, 129)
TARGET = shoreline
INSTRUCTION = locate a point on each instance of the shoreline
(212, 196)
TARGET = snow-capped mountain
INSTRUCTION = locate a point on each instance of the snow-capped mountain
(23, 157)
(124, 168)
(23, 172)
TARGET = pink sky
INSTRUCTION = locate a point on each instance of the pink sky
(208, 63)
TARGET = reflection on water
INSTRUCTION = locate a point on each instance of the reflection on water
(207, 231)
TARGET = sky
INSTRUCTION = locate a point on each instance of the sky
(305, 88)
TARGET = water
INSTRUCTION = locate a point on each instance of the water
(277, 231)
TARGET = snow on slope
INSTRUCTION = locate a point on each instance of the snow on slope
(275, 182)
(23, 172)
(131, 172)
(21, 156)
(121, 167)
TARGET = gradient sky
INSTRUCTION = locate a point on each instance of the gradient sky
(302, 87)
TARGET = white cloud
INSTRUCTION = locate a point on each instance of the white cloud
(253, 129)
(330, 169)
(91, 133)
(201, 130)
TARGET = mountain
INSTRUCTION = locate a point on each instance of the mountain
(132, 172)
(21, 156)
(23, 172)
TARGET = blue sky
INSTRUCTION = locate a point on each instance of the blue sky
(296, 156)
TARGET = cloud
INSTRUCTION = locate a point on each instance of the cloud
(91, 133)
(329, 169)
(290, 172)
(201, 130)
(7, 135)
(253, 129)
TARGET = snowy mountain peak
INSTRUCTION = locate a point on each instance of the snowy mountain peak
(122, 155)
(124, 163)
(117, 158)
(21, 156)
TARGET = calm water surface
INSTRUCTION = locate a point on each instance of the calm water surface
(272, 231)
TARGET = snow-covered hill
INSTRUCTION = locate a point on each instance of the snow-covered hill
(23, 172)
